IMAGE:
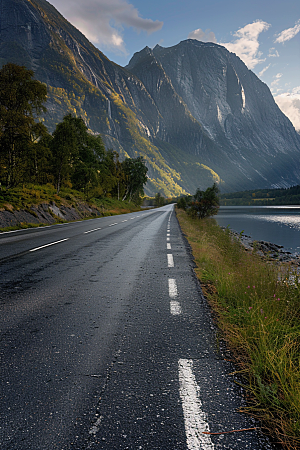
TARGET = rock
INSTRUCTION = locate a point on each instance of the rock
(41, 214)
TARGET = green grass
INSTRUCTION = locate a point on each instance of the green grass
(258, 311)
(22, 198)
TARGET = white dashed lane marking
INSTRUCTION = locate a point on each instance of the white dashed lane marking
(168, 246)
(96, 229)
(175, 308)
(173, 293)
(170, 260)
(195, 421)
(48, 245)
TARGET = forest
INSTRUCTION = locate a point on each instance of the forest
(262, 197)
(71, 156)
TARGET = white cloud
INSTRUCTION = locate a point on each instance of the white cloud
(289, 103)
(288, 34)
(273, 53)
(276, 80)
(204, 36)
(264, 70)
(102, 21)
(246, 44)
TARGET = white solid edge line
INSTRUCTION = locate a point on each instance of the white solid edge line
(195, 421)
(90, 231)
(48, 245)
(170, 260)
(175, 308)
(173, 293)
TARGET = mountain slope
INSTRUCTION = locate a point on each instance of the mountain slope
(255, 140)
(81, 80)
(194, 111)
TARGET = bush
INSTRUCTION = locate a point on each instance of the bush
(202, 204)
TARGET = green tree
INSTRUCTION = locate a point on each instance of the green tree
(202, 204)
(205, 203)
(111, 174)
(88, 166)
(184, 202)
(39, 160)
(159, 200)
(135, 172)
(69, 137)
(21, 100)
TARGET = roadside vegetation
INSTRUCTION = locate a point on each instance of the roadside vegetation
(25, 197)
(257, 306)
(202, 203)
(71, 157)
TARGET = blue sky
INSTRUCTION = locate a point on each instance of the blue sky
(265, 34)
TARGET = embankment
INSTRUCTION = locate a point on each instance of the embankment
(45, 214)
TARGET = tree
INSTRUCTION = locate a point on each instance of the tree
(88, 166)
(69, 137)
(202, 204)
(21, 99)
(135, 172)
(205, 203)
(159, 200)
(39, 160)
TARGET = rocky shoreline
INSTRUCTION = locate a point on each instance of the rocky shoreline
(266, 249)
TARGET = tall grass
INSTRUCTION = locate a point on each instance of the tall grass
(258, 311)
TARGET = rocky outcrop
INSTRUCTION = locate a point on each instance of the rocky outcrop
(45, 213)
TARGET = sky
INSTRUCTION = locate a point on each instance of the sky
(265, 34)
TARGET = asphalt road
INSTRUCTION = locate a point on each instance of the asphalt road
(107, 342)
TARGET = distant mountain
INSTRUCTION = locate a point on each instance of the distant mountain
(194, 111)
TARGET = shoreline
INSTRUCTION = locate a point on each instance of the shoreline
(266, 249)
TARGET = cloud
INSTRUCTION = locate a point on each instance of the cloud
(288, 34)
(276, 80)
(289, 103)
(264, 70)
(246, 44)
(204, 36)
(102, 21)
(273, 53)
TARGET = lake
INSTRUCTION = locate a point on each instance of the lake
(277, 224)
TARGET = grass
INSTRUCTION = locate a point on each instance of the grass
(258, 312)
(22, 198)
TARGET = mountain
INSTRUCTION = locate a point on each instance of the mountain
(194, 111)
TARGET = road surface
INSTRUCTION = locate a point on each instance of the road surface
(107, 342)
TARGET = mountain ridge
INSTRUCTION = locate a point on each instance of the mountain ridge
(186, 109)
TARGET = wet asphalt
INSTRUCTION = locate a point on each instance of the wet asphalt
(92, 348)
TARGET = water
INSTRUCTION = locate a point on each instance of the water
(277, 224)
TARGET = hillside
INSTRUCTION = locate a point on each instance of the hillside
(193, 111)
(262, 197)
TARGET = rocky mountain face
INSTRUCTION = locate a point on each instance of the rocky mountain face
(194, 111)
